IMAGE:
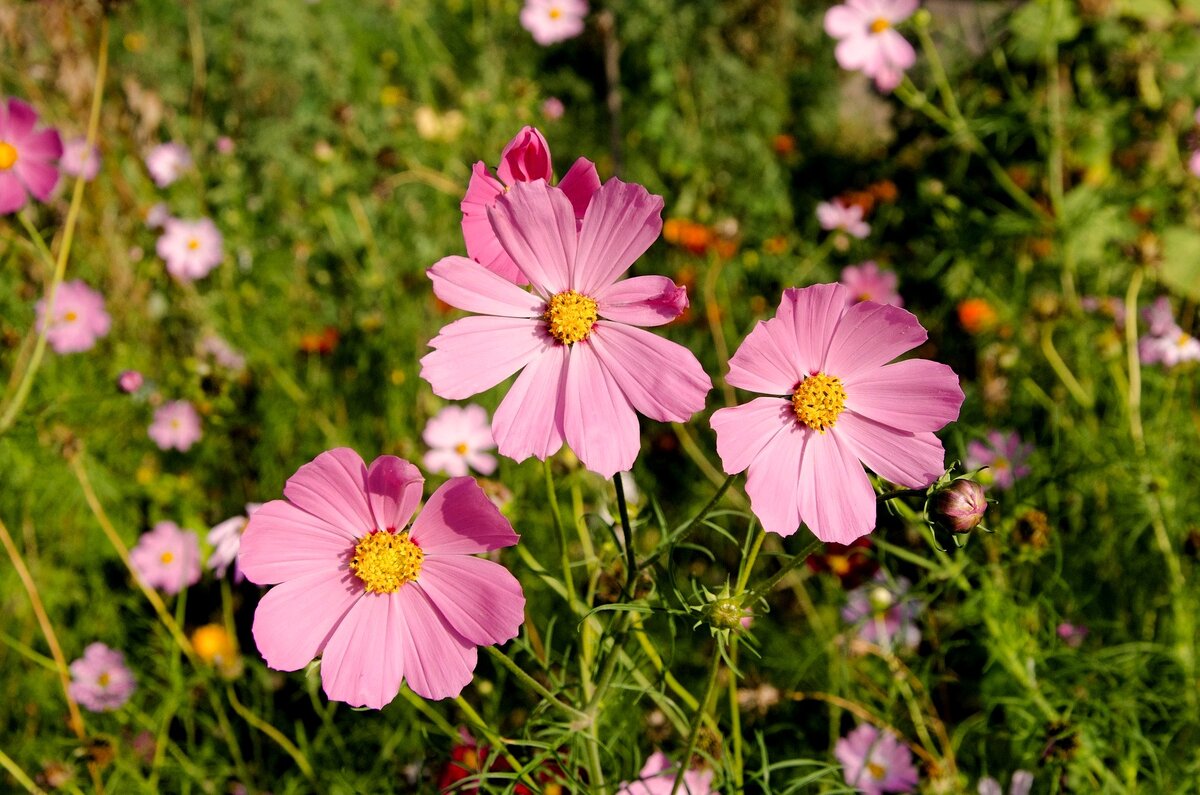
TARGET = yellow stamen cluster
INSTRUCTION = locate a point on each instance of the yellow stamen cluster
(880, 25)
(8, 155)
(166, 558)
(570, 316)
(70, 317)
(384, 561)
(818, 400)
(193, 244)
(461, 448)
(876, 770)
(555, 12)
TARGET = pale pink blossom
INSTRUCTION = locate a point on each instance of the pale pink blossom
(1194, 163)
(27, 157)
(1071, 634)
(77, 320)
(883, 613)
(176, 425)
(459, 438)
(167, 558)
(1020, 784)
(226, 539)
(222, 353)
(866, 282)
(868, 41)
(100, 679)
(130, 381)
(158, 215)
(553, 108)
(225, 145)
(551, 21)
(381, 601)
(191, 249)
(1166, 343)
(1004, 455)
(874, 762)
(79, 159)
(166, 162)
(847, 218)
(658, 778)
(586, 369)
(834, 404)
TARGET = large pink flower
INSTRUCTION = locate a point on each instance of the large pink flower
(587, 369)
(380, 603)
(526, 158)
(840, 403)
(77, 320)
(26, 157)
(868, 41)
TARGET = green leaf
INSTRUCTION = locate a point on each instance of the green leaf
(1181, 260)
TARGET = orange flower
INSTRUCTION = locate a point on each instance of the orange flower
(976, 315)
(884, 191)
(783, 144)
(322, 342)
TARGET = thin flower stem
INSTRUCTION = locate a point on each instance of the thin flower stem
(39, 243)
(563, 547)
(765, 588)
(631, 569)
(712, 313)
(266, 728)
(686, 528)
(20, 775)
(693, 451)
(892, 495)
(496, 740)
(867, 716)
(694, 735)
(536, 686)
(1063, 371)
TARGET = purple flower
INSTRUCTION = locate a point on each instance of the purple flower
(658, 778)
(1166, 343)
(166, 162)
(100, 679)
(27, 157)
(553, 21)
(1004, 456)
(191, 248)
(80, 160)
(874, 763)
(77, 320)
(167, 558)
(883, 613)
(176, 425)
(846, 217)
(1071, 634)
(130, 381)
(866, 282)
(960, 506)
(868, 41)
(226, 539)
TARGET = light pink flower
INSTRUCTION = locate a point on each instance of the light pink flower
(100, 679)
(176, 425)
(158, 215)
(1194, 163)
(226, 540)
(79, 160)
(191, 248)
(658, 778)
(1004, 456)
(553, 21)
(27, 157)
(839, 405)
(167, 558)
(225, 145)
(166, 162)
(130, 381)
(222, 353)
(875, 763)
(588, 370)
(77, 320)
(866, 282)
(846, 217)
(1071, 634)
(868, 41)
(553, 108)
(1166, 343)
(526, 158)
(1106, 305)
(380, 603)
(883, 613)
(459, 438)
(1021, 784)
(1159, 316)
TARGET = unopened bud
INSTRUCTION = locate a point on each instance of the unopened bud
(960, 506)
(726, 613)
(881, 599)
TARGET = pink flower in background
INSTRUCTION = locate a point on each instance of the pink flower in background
(838, 405)
(176, 425)
(167, 558)
(191, 249)
(552, 21)
(130, 381)
(526, 158)
(587, 369)
(225, 145)
(158, 215)
(1071, 634)
(459, 438)
(1021, 784)
(875, 762)
(658, 778)
(166, 162)
(100, 679)
(80, 160)
(866, 282)
(868, 41)
(27, 157)
(845, 217)
(553, 108)
(883, 613)
(1004, 456)
(1159, 316)
(222, 353)
(380, 603)
(226, 540)
(1166, 343)
(1106, 305)
(1194, 163)
(77, 320)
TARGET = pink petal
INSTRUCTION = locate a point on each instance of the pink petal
(40, 178)
(836, 498)
(483, 463)
(21, 119)
(363, 662)
(771, 480)
(912, 460)
(900, 10)
(42, 145)
(476, 353)
(856, 52)
(459, 519)
(536, 225)
(766, 361)
(438, 662)
(912, 395)
(871, 335)
(642, 301)
(896, 50)
(580, 183)
(622, 221)
(843, 21)
(525, 158)
(529, 421)
(282, 542)
(480, 599)
(812, 316)
(743, 431)
(295, 619)
(332, 487)
(660, 378)
(482, 244)
(12, 193)
(447, 461)
(394, 489)
(598, 421)
(471, 287)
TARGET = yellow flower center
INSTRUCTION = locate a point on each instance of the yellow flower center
(555, 12)
(818, 400)
(103, 679)
(70, 317)
(880, 25)
(461, 448)
(570, 316)
(1182, 339)
(877, 771)
(166, 557)
(384, 561)
(193, 244)
(839, 565)
(8, 155)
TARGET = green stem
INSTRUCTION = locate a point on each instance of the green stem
(631, 569)
(266, 728)
(795, 560)
(563, 548)
(694, 735)
(536, 686)
(1063, 371)
(20, 775)
(686, 528)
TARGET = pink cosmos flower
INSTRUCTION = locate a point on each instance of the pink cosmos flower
(884, 613)
(225, 145)
(80, 160)
(552, 21)
(77, 320)
(1071, 634)
(191, 248)
(839, 403)
(526, 158)
(380, 603)
(460, 437)
(26, 157)
(1021, 784)
(658, 778)
(866, 282)
(553, 108)
(1166, 343)
(130, 381)
(868, 41)
(588, 369)
(1194, 163)
(167, 558)
(846, 217)
(166, 162)
(176, 425)
(876, 763)
(1004, 456)
(226, 540)
(100, 679)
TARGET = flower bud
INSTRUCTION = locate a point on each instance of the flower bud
(130, 381)
(960, 506)
(881, 599)
(726, 613)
